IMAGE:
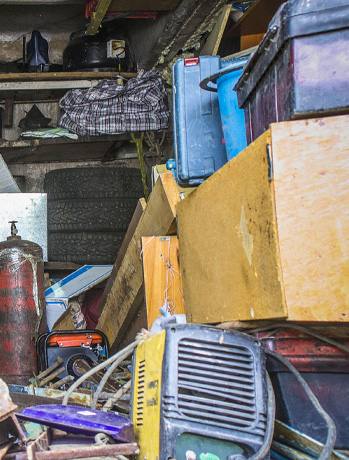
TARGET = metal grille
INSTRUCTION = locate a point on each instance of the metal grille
(216, 383)
(140, 393)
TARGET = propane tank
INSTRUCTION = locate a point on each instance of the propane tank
(21, 306)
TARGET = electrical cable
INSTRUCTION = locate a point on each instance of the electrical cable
(268, 439)
(263, 451)
(99, 367)
(331, 427)
(109, 372)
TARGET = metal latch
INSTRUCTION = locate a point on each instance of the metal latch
(270, 163)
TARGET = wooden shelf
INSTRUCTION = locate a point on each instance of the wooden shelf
(41, 86)
(59, 149)
(33, 143)
(59, 76)
(60, 266)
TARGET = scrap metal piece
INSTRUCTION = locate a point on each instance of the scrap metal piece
(50, 369)
(51, 376)
(296, 445)
(90, 451)
(63, 381)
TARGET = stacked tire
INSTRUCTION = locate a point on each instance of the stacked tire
(88, 212)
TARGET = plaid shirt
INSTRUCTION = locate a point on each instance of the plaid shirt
(109, 108)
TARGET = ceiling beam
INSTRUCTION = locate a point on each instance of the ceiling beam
(98, 16)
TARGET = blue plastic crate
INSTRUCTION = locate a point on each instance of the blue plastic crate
(198, 136)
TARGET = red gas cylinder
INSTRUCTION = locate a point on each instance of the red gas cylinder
(21, 306)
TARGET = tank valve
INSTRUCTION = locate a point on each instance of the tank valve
(14, 230)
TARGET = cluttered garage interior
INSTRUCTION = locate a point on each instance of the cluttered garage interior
(174, 229)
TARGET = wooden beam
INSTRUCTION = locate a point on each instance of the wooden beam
(61, 76)
(126, 291)
(98, 16)
(143, 5)
(214, 39)
(162, 278)
(65, 322)
(141, 205)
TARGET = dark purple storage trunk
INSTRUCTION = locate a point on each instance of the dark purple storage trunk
(301, 68)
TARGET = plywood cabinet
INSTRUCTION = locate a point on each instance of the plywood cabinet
(267, 236)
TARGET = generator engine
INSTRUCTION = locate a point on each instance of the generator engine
(101, 52)
(201, 393)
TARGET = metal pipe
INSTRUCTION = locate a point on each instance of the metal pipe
(51, 376)
(66, 379)
(48, 371)
(88, 452)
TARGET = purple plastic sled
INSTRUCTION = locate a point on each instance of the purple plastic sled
(81, 420)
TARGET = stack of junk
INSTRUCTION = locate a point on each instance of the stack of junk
(221, 330)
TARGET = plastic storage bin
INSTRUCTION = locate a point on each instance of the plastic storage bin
(233, 119)
(301, 67)
(198, 136)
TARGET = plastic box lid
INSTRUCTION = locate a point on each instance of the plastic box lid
(293, 19)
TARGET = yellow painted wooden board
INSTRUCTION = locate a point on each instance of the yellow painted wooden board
(162, 278)
(125, 295)
(253, 247)
(228, 243)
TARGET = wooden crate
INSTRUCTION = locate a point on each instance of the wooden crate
(267, 236)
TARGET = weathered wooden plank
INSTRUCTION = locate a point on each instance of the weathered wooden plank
(162, 278)
(64, 322)
(267, 235)
(51, 76)
(158, 218)
(214, 39)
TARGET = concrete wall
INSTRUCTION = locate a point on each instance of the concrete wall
(55, 22)
(30, 177)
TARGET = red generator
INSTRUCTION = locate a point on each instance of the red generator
(77, 350)
(326, 370)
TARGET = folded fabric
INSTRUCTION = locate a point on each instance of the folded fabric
(49, 133)
(109, 108)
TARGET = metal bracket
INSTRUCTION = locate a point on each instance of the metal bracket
(270, 163)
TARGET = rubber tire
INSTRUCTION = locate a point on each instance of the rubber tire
(84, 247)
(89, 210)
(98, 182)
(90, 215)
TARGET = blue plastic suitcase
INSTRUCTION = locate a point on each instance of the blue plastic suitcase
(198, 136)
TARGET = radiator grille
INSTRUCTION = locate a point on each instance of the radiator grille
(216, 383)
(140, 393)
